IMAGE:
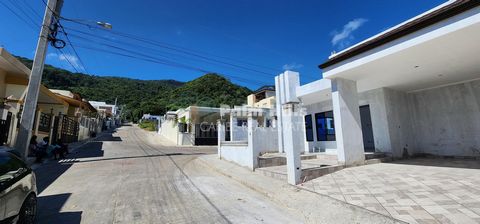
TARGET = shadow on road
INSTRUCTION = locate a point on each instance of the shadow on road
(49, 208)
(91, 149)
(47, 174)
(129, 157)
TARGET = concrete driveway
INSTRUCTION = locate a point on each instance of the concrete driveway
(415, 191)
(126, 178)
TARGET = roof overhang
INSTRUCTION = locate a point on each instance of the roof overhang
(443, 53)
(12, 65)
(314, 92)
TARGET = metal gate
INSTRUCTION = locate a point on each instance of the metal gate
(69, 132)
(206, 134)
(5, 128)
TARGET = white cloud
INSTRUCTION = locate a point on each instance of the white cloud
(344, 38)
(292, 66)
(67, 59)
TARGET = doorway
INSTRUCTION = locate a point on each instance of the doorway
(367, 130)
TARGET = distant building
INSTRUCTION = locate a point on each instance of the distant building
(191, 126)
(151, 117)
(103, 106)
(264, 97)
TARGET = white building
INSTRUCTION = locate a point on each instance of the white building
(191, 126)
(414, 88)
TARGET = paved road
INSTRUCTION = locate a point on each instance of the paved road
(123, 177)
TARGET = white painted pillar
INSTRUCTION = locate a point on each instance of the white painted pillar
(221, 137)
(278, 108)
(253, 154)
(232, 125)
(293, 141)
(348, 128)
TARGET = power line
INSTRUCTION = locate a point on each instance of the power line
(156, 52)
(180, 50)
(74, 50)
(166, 63)
(18, 16)
(31, 8)
(136, 53)
(67, 59)
(130, 44)
(20, 8)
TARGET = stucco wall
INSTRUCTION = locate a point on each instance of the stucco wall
(447, 119)
(265, 140)
(170, 131)
(399, 123)
(237, 153)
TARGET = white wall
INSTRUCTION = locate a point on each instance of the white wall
(169, 130)
(237, 153)
(265, 140)
(446, 120)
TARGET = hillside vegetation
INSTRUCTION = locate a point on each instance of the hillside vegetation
(146, 96)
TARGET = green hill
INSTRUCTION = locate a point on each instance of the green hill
(146, 96)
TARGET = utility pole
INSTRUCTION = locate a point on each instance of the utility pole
(30, 103)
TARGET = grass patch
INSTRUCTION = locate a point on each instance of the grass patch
(147, 125)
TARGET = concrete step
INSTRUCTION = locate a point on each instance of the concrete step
(374, 155)
(311, 169)
(279, 159)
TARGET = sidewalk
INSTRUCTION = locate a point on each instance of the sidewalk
(315, 208)
(72, 148)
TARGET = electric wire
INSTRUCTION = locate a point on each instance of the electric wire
(18, 16)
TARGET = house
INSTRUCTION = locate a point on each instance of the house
(191, 126)
(412, 89)
(13, 85)
(82, 114)
(110, 113)
(60, 114)
(264, 97)
(245, 133)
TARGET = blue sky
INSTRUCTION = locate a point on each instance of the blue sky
(246, 40)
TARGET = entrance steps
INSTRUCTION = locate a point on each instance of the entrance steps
(280, 159)
(313, 165)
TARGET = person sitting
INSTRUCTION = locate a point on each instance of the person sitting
(59, 149)
(38, 149)
(32, 147)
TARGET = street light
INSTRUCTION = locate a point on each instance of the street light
(105, 25)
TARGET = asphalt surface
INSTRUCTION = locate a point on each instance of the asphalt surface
(125, 177)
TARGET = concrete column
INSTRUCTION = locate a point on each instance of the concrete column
(232, 126)
(278, 108)
(293, 141)
(251, 144)
(348, 128)
(221, 137)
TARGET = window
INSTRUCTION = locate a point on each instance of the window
(325, 126)
(182, 127)
(309, 127)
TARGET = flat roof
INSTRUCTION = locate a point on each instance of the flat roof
(435, 15)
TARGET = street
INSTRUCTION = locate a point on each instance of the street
(123, 177)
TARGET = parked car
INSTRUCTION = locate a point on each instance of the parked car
(18, 190)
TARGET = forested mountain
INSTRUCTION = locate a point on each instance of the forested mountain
(146, 96)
